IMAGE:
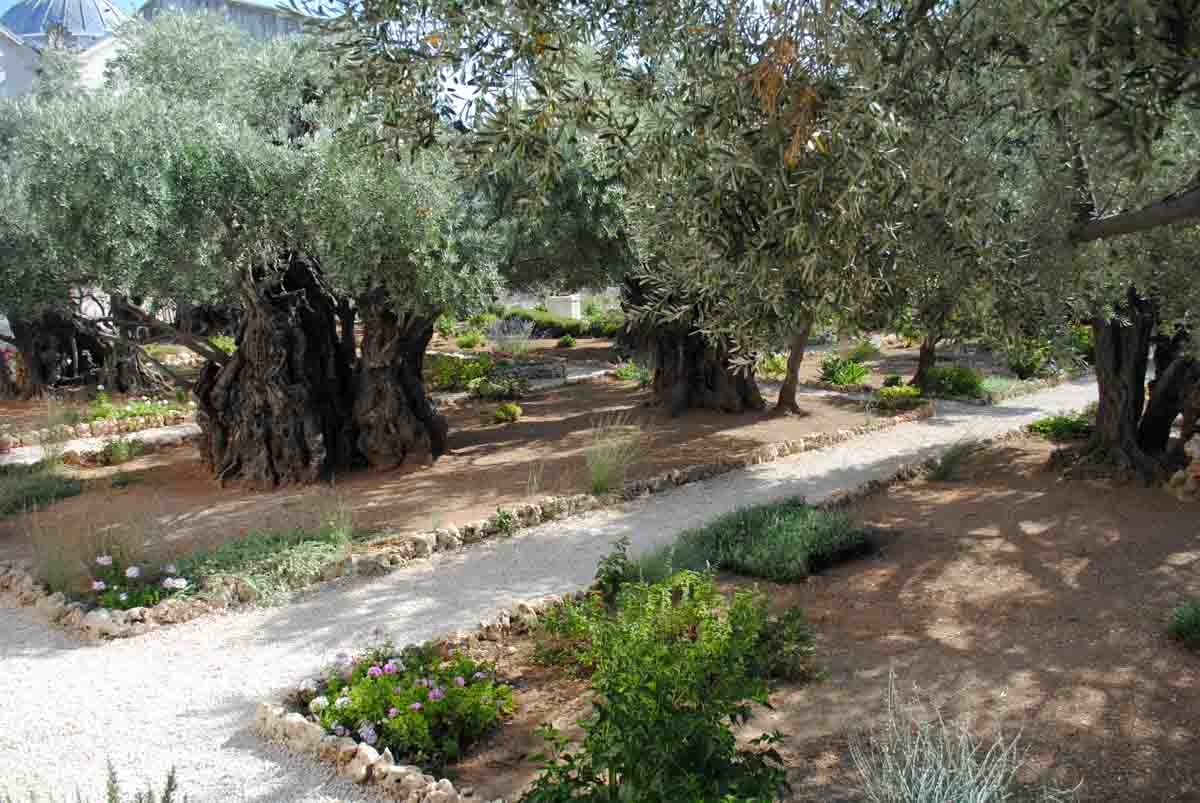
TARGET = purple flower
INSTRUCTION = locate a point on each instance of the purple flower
(393, 713)
(460, 681)
(398, 690)
(420, 683)
(368, 734)
(415, 707)
(104, 560)
(436, 694)
(479, 676)
(99, 585)
(133, 572)
(390, 668)
(374, 672)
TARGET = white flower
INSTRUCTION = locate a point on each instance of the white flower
(104, 560)
(99, 387)
(133, 572)
(308, 684)
(318, 704)
(170, 569)
(123, 597)
(341, 703)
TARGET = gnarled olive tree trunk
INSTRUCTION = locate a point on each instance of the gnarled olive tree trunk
(394, 416)
(8, 378)
(280, 409)
(791, 382)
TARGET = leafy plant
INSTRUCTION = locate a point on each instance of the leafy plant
(772, 365)
(469, 340)
(119, 581)
(102, 408)
(120, 450)
(863, 351)
(893, 381)
(614, 570)
(424, 707)
(224, 343)
(24, 488)
(842, 371)
(499, 387)
(898, 397)
(616, 446)
(675, 666)
(1027, 358)
(784, 541)
(906, 759)
(1079, 338)
(954, 380)
(112, 792)
(448, 372)
(546, 324)
(505, 522)
(273, 563)
(444, 326)
(631, 371)
(606, 324)
(947, 467)
(1185, 624)
(567, 342)
(1069, 427)
(507, 413)
(484, 321)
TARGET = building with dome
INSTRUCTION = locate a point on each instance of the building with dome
(83, 22)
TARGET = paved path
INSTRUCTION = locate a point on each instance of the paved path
(185, 695)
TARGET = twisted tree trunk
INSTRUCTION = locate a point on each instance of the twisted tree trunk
(394, 416)
(926, 359)
(8, 379)
(280, 410)
(796, 347)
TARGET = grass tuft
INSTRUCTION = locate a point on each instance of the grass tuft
(785, 542)
(1069, 427)
(616, 446)
(26, 488)
(947, 467)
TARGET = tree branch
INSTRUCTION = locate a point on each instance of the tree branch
(1180, 208)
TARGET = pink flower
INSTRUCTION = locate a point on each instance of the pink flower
(389, 668)
(460, 681)
(374, 672)
(436, 694)
(415, 707)
(99, 585)
(393, 713)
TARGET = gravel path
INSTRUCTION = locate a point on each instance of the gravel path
(185, 695)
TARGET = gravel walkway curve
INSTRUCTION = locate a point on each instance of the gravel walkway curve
(185, 695)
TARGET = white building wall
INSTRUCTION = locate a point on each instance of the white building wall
(18, 65)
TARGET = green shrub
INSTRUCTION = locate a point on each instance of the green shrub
(907, 759)
(469, 340)
(484, 321)
(224, 343)
(631, 371)
(567, 342)
(507, 413)
(120, 450)
(607, 324)
(444, 326)
(674, 668)
(616, 446)
(102, 408)
(25, 488)
(448, 372)
(1027, 358)
(424, 707)
(772, 365)
(1185, 624)
(273, 563)
(784, 541)
(502, 387)
(121, 583)
(946, 467)
(1079, 337)
(954, 380)
(842, 371)
(863, 351)
(546, 324)
(1063, 427)
(902, 397)
(893, 381)
(505, 521)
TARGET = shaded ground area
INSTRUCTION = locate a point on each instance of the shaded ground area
(173, 499)
(1007, 597)
(896, 358)
(593, 351)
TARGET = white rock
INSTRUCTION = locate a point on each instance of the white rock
(448, 538)
(100, 622)
(266, 716)
(51, 608)
(301, 735)
(420, 545)
(358, 769)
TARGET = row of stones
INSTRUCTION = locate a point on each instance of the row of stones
(1184, 484)
(95, 429)
(221, 592)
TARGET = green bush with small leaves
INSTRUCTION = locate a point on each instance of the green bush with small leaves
(444, 326)
(425, 707)
(505, 521)
(954, 380)
(503, 387)
(120, 450)
(842, 371)
(567, 342)
(1184, 625)
(448, 372)
(1079, 337)
(507, 413)
(675, 667)
(223, 343)
(1074, 426)
(893, 381)
(772, 365)
(631, 371)
(863, 351)
(1027, 358)
(469, 340)
(903, 397)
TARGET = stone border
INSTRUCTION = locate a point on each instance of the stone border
(95, 429)
(221, 592)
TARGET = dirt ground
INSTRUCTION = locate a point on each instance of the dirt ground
(175, 501)
(1012, 599)
(897, 358)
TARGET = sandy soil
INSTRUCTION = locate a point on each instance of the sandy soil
(179, 507)
(1007, 597)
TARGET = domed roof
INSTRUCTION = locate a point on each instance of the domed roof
(96, 19)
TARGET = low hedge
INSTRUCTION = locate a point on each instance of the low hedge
(549, 325)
